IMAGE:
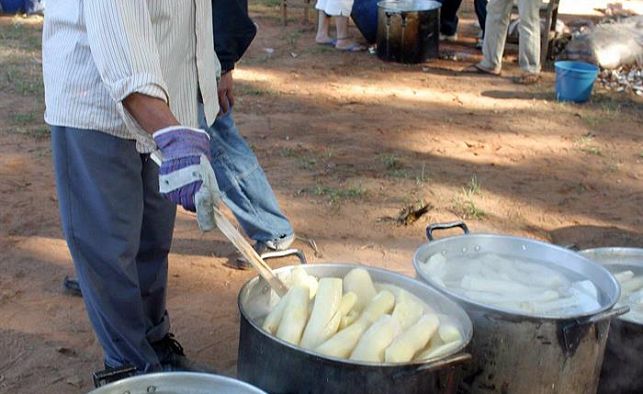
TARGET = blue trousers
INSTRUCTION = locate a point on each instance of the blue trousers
(246, 190)
(119, 230)
(449, 16)
(480, 7)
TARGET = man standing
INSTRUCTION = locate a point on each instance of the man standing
(243, 183)
(122, 79)
(495, 36)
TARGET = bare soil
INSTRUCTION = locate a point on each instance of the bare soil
(347, 141)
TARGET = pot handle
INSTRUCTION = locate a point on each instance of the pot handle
(574, 331)
(607, 314)
(439, 364)
(444, 226)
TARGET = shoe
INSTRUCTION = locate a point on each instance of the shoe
(281, 243)
(527, 79)
(479, 43)
(479, 69)
(449, 37)
(273, 245)
(173, 359)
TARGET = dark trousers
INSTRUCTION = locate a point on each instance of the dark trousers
(449, 16)
(480, 7)
(119, 231)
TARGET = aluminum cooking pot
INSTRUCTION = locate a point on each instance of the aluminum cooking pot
(622, 370)
(280, 367)
(178, 383)
(515, 352)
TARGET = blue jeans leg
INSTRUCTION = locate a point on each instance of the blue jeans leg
(480, 7)
(118, 229)
(449, 16)
(243, 182)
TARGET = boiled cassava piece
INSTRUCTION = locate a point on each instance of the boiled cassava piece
(358, 280)
(342, 344)
(295, 315)
(411, 341)
(448, 332)
(271, 324)
(371, 345)
(326, 305)
(439, 350)
(408, 309)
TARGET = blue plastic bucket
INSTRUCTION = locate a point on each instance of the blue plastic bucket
(574, 80)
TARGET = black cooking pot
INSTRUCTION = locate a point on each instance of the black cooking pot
(280, 367)
(408, 31)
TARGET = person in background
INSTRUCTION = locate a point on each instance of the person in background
(123, 79)
(496, 24)
(480, 7)
(243, 183)
(341, 10)
(449, 19)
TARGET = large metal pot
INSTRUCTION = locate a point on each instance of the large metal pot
(515, 353)
(622, 369)
(178, 383)
(408, 31)
(279, 367)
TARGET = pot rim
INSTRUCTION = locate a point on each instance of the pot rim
(508, 312)
(612, 256)
(425, 364)
(173, 378)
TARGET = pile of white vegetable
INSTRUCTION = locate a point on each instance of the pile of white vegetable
(354, 318)
(631, 294)
(512, 284)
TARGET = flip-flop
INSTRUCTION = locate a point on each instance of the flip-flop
(330, 43)
(478, 69)
(527, 79)
(354, 47)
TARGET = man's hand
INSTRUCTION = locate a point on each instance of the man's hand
(226, 97)
(186, 153)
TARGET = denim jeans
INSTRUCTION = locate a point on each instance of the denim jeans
(246, 190)
(449, 16)
(480, 7)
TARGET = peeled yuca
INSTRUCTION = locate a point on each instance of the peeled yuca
(335, 323)
(271, 324)
(349, 319)
(299, 277)
(449, 332)
(358, 280)
(408, 309)
(439, 350)
(294, 315)
(378, 337)
(412, 340)
(342, 344)
(327, 302)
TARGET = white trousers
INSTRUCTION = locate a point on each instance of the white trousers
(335, 7)
(495, 34)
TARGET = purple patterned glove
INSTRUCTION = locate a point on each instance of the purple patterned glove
(179, 175)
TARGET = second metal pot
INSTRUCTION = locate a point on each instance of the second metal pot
(515, 353)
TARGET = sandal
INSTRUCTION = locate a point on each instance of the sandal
(526, 79)
(478, 69)
(354, 47)
(332, 42)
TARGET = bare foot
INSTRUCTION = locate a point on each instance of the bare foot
(347, 44)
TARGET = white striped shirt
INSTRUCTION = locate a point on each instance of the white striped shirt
(97, 52)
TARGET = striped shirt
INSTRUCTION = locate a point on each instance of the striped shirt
(97, 52)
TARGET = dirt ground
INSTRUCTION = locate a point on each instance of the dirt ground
(347, 142)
